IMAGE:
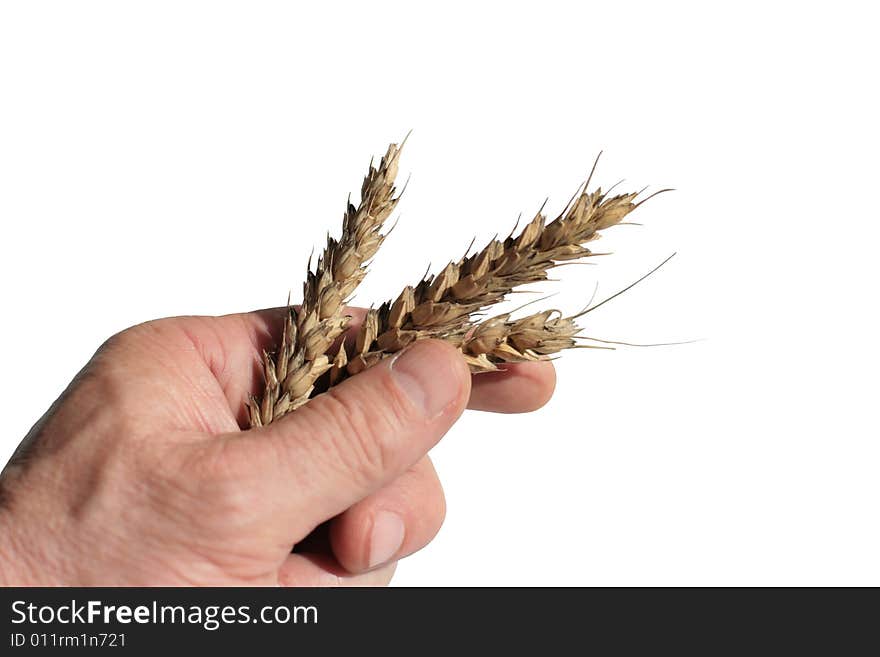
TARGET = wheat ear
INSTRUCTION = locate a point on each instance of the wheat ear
(309, 331)
(504, 340)
(535, 337)
(443, 306)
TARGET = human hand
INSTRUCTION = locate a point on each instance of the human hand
(139, 474)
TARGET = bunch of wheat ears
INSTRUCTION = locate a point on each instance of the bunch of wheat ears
(448, 306)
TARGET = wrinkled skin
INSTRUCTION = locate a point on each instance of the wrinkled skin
(139, 474)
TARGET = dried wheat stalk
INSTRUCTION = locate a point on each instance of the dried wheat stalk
(309, 331)
(446, 306)
(535, 337)
(503, 340)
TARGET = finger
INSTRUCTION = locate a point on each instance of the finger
(323, 570)
(354, 439)
(518, 388)
(392, 523)
(231, 347)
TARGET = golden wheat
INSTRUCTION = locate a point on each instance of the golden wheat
(444, 306)
(310, 330)
(447, 306)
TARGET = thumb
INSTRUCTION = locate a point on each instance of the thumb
(361, 434)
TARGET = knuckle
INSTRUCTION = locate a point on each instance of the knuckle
(116, 341)
(123, 342)
(133, 335)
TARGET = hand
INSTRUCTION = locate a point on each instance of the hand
(139, 474)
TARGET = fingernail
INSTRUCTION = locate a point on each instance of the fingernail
(427, 377)
(386, 538)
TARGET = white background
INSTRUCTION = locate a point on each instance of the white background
(171, 158)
